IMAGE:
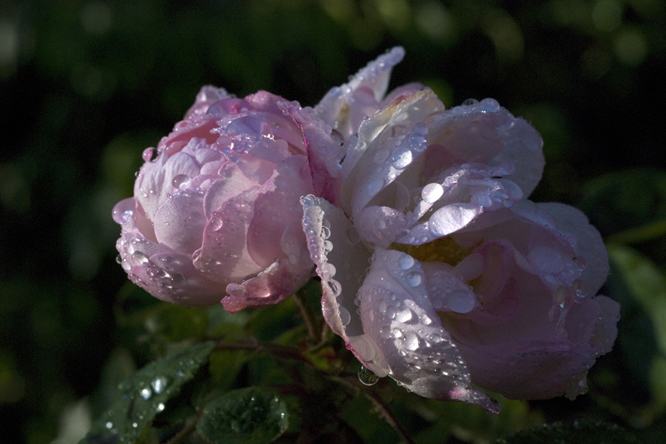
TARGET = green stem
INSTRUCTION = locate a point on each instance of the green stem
(308, 315)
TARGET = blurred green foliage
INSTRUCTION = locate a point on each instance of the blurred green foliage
(86, 85)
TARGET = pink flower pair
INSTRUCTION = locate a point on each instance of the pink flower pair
(436, 269)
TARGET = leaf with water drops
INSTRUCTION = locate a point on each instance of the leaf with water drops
(580, 431)
(253, 415)
(145, 394)
(175, 323)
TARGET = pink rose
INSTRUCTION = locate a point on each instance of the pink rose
(216, 212)
(439, 273)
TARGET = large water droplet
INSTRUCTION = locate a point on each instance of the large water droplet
(139, 258)
(406, 262)
(179, 180)
(147, 154)
(432, 192)
(345, 316)
(401, 158)
(413, 279)
(411, 341)
(366, 376)
(123, 210)
(461, 301)
(404, 315)
(159, 384)
(146, 393)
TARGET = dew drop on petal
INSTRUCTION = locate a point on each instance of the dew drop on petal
(461, 301)
(345, 316)
(413, 279)
(404, 315)
(432, 192)
(367, 376)
(411, 341)
(179, 180)
(401, 157)
(147, 154)
(406, 262)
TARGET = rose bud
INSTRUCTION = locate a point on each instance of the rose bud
(215, 213)
(468, 282)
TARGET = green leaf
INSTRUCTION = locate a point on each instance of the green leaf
(175, 322)
(142, 396)
(646, 285)
(625, 200)
(253, 415)
(580, 432)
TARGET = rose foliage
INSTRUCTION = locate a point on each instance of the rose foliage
(436, 269)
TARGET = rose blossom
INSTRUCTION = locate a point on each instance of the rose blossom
(216, 213)
(468, 282)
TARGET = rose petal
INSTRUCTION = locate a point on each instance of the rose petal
(398, 316)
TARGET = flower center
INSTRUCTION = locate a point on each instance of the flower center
(444, 249)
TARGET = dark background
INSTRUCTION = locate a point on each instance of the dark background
(85, 86)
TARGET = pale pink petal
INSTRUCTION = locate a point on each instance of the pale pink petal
(341, 260)
(278, 208)
(164, 273)
(155, 180)
(388, 146)
(223, 256)
(484, 132)
(399, 317)
(207, 96)
(325, 150)
(591, 254)
(334, 108)
(380, 225)
(276, 283)
(180, 220)
(231, 183)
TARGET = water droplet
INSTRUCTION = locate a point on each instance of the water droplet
(374, 186)
(335, 287)
(345, 316)
(425, 319)
(366, 376)
(432, 192)
(413, 279)
(411, 341)
(352, 235)
(461, 301)
(147, 154)
(216, 222)
(404, 315)
(470, 102)
(159, 384)
(179, 180)
(146, 393)
(401, 157)
(406, 262)
(396, 333)
(109, 425)
(385, 332)
(140, 258)
(123, 210)
(390, 312)
(119, 259)
(160, 407)
(325, 232)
